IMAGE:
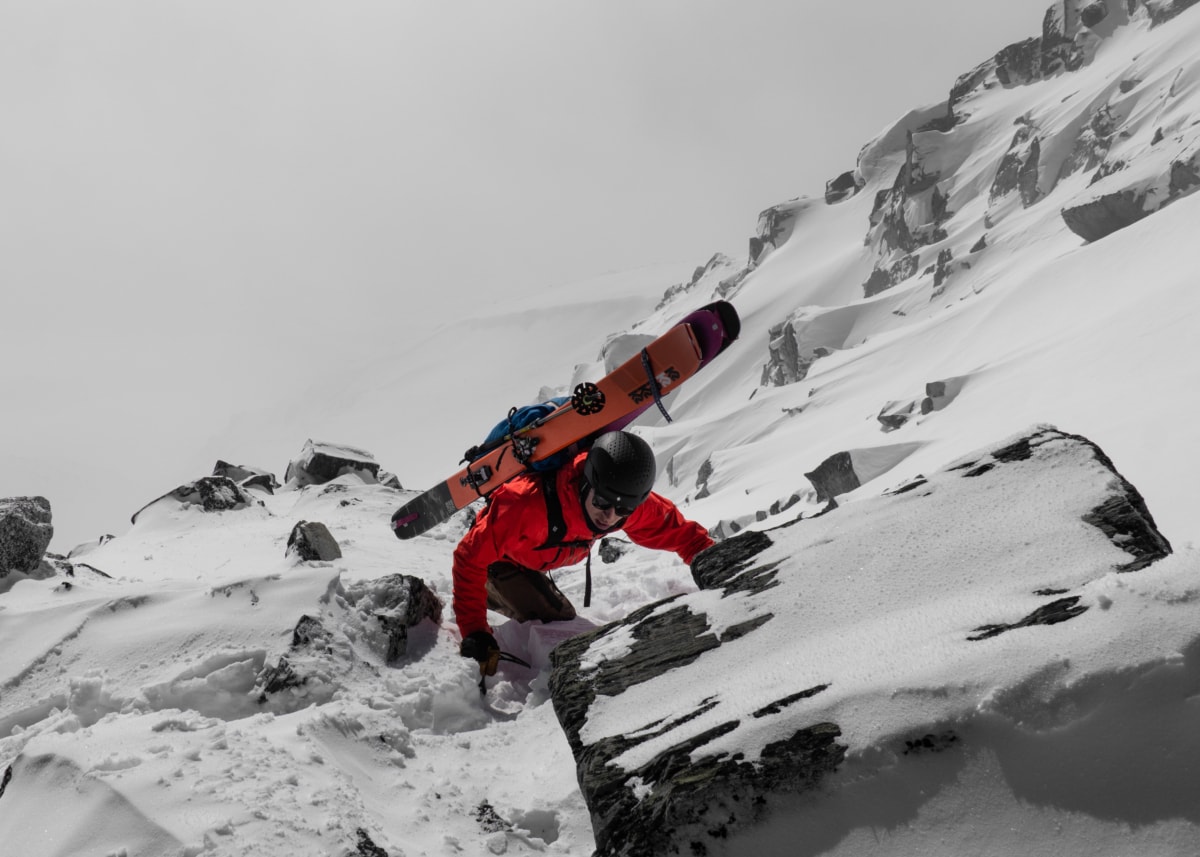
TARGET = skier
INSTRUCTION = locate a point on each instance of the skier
(540, 522)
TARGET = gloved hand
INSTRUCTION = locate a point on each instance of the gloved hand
(481, 646)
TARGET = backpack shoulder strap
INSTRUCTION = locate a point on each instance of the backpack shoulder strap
(556, 528)
(556, 524)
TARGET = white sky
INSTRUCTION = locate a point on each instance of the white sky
(201, 202)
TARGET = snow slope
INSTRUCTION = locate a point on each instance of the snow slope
(129, 709)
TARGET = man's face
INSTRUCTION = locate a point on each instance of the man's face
(602, 519)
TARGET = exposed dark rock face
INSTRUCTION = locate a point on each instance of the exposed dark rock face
(788, 356)
(1162, 11)
(718, 793)
(833, 476)
(775, 227)
(1099, 218)
(247, 477)
(210, 494)
(1094, 142)
(323, 462)
(25, 533)
(1018, 170)
(365, 846)
(1048, 614)
(727, 565)
(1185, 176)
(843, 187)
(683, 782)
(311, 541)
(905, 218)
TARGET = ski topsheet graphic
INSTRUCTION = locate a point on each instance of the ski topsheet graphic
(610, 403)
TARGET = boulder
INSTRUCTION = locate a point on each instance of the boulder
(209, 494)
(311, 541)
(677, 753)
(833, 476)
(247, 477)
(1101, 217)
(25, 533)
(323, 462)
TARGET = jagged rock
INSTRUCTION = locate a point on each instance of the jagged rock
(667, 773)
(939, 394)
(1184, 176)
(25, 533)
(1101, 217)
(612, 549)
(323, 462)
(896, 414)
(843, 187)
(881, 280)
(843, 472)
(396, 604)
(1092, 14)
(775, 227)
(365, 846)
(681, 794)
(1162, 11)
(833, 476)
(944, 267)
(247, 477)
(280, 677)
(1018, 170)
(309, 632)
(794, 345)
(311, 541)
(717, 267)
(209, 493)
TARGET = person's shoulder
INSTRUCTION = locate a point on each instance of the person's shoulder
(517, 490)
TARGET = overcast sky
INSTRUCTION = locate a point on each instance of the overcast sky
(200, 201)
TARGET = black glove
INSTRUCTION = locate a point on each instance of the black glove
(481, 646)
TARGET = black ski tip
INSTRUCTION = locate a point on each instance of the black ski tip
(404, 523)
(423, 513)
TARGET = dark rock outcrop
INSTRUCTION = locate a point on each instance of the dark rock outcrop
(311, 541)
(25, 533)
(717, 792)
(210, 494)
(247, 477)
(1101, 217)
(843, 187)
(908, 216)
(676, 777)
(833, 476)
(323, 462)
(775, 227)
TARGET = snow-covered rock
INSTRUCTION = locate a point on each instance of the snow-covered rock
(700, 720)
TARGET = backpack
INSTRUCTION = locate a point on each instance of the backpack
(504, 432)
(519, 418)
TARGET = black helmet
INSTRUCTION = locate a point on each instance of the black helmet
(620, 469)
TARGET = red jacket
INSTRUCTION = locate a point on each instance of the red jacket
(514, 525)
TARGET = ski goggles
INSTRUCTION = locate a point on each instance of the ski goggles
(604, 504)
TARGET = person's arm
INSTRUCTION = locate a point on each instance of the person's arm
(658, 524)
